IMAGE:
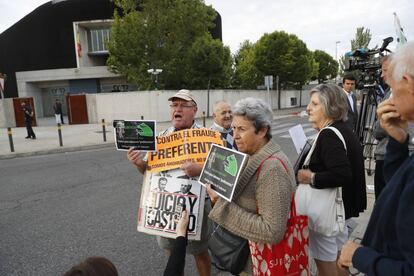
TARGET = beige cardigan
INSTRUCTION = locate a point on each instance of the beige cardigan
(271, 195)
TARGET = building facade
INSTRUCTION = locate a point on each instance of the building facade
(59, 49)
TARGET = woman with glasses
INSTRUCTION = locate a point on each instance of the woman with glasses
(261, 201)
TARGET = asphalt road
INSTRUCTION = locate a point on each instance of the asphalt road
(56, 210)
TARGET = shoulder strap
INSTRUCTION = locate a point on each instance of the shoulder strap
(339, 134)
(259, 169)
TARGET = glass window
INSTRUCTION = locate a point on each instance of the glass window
(99, 39)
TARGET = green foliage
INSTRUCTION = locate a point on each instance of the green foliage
(328, 67)
(361, 40)
(211, 63)
(284, 55)
(159, 35)
(246, 74)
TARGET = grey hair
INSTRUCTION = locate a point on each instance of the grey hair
(402, 62)
(217, 103)
(333, 100)
(257, 111)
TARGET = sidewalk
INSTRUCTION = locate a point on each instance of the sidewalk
(76, 137)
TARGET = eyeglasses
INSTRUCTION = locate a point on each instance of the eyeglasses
(176, 106)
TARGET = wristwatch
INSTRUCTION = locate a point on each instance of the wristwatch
(312, 180)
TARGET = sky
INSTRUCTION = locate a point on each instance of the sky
(319, 23)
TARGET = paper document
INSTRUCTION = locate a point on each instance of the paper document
(298, 137)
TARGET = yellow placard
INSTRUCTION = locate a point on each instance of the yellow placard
(181, 146)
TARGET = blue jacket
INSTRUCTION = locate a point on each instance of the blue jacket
(389, 239)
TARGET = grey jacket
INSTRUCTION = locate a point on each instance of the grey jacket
(380, 135)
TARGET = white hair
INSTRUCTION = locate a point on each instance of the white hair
(402, 62)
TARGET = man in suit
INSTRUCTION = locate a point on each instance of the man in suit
(348, 84)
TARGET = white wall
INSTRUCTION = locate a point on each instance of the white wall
(153, 105)
(7, 118)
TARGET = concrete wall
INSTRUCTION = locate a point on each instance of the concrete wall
(154, 104)
(7, 118)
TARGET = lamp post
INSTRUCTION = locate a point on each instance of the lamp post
(155, 72)
(336, 58)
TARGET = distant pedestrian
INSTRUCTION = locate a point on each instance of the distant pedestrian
(93, 266)
(28, 119)
(57, 107)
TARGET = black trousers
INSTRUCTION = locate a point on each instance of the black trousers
(30, 132)
(379, 182)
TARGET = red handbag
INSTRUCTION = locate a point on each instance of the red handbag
(290, 255)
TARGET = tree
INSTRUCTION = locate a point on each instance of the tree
(284, 55)
(361, 41)
(328, 67)
(156, 34)
(210, 62)
(246, 75)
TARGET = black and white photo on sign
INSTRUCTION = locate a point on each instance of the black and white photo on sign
(138, 134)
(163, 201)
(222, 170)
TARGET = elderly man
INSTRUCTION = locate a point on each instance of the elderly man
(348, 84)
(388, 244)
(223, 117)
(183, 111)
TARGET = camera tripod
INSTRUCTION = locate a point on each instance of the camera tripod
(371, 97)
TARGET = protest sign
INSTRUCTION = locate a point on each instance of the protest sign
(222, 170)
(181, 146)
(137, 134)
(162, 199)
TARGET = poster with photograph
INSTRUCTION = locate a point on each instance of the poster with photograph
(138, 134)
(163, 198)
(222, 170)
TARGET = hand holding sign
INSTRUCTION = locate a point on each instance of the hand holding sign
(136, 158)
(212, 194)
(191, 169)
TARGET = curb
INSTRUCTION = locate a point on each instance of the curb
(57, 150)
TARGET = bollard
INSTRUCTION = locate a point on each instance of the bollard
(60, 134)
(9, 132)
(204, 119)
(103, 130)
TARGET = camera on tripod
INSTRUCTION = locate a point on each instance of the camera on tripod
(368, 62)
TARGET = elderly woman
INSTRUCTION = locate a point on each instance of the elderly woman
(330, 166)
(261, 201)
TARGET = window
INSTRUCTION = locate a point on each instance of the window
(97, 39)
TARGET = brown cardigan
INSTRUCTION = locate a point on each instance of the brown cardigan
(271, 195)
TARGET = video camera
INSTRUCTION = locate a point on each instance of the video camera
(368, 63)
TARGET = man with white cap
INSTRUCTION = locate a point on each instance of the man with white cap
(183, 110)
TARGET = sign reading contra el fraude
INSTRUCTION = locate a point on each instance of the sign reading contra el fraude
(178, 147)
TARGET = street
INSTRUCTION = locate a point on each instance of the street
(57, 209)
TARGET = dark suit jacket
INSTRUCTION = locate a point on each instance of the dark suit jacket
(335, 167)
(352, 115)
(389, 240)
